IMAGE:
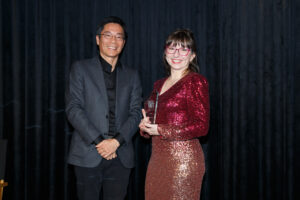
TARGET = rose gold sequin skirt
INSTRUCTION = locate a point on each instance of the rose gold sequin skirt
(175, 170)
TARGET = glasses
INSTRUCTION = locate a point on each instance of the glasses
(182, 51)
(109, 36)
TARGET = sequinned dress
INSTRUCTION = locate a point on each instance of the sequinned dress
(177, 165)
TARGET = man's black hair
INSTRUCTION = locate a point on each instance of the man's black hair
(112, 19)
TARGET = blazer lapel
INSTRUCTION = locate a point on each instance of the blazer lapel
(98, 78)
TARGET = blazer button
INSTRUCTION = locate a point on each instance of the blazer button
(106, 116)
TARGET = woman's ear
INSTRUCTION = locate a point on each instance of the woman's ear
(192, 57)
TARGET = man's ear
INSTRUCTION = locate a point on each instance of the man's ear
(124, 42)
(97, 39)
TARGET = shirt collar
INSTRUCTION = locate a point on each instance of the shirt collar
(106, 66)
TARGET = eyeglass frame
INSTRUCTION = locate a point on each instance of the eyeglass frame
(109, 36)
(189, 50)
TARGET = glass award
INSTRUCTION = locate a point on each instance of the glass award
(151, 108)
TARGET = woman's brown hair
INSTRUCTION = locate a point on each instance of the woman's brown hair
(185, 38)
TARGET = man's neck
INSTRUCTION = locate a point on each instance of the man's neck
(111, 61)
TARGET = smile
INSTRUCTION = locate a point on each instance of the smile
(113, 48)
(176, 61)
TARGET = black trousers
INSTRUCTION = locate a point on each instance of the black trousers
(109, 180)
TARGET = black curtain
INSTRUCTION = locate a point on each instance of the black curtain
(247, 49)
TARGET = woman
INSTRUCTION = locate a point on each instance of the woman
(176, 166)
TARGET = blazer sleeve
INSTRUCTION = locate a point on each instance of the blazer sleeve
(198, 112)
(130, 126)
(74, 97)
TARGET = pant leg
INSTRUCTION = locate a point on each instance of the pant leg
(115, 181)
(88, 182)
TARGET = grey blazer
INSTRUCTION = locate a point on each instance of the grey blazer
(87, 110)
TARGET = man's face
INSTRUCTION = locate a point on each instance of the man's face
(111, 41)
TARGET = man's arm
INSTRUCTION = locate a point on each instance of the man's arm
(75, 105)
(130, 127)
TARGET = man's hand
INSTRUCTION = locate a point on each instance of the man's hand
(112, 156)
(107, 148)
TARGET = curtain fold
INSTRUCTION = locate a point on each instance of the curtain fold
(246, 48)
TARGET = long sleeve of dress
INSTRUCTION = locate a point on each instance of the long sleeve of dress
(197, 111)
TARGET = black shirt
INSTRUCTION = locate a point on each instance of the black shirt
(110, 83)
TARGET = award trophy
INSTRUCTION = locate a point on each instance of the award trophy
(151, 108)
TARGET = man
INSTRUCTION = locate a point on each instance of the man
(103, 103)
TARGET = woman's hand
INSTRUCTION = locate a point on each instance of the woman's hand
(144, 120)
(142, 125)
(146, 126)
(151, 129)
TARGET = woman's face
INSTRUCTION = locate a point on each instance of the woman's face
(178, 57)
